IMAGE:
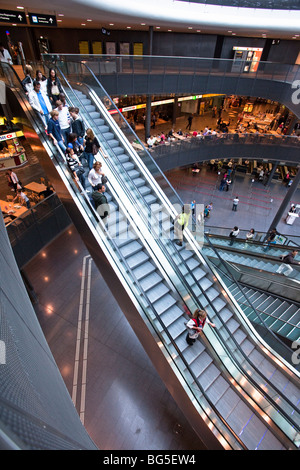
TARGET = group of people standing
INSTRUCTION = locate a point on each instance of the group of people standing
(66, 129)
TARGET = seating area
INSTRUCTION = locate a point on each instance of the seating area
(14, 206)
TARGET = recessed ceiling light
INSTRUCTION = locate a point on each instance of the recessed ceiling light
(111, 24)
(128, 27)
(296, 35)
(198, 30)
(190, 27)
(229, 31)
(14, 24)
(143, 24)
(83, 24)
(20, 8)
(157, 27)
(59, 21)
(169, 30)
(233, 34)
(89, 20)
(61, 14)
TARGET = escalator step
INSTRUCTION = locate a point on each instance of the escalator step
(157, 292)
(131, 248)
(144, 270)
(137, 259)
(150, 281)
(171, 315)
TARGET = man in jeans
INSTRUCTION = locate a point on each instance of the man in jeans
(40, 102)
(287, 260)
(235, 203)
(54, 130)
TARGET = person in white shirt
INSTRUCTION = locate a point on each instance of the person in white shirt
(22, 197)
(235, 203)
(15, 180)
(233, 234)
(40, 102)
(95, 175)
(5, 56)
(64, 119)
(39, 77)
(150, 141)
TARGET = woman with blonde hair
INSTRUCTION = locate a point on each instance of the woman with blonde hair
(91, 147)
(196, 324)
(96, 175)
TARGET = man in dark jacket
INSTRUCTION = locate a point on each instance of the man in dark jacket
(100, 201)
(287, 260)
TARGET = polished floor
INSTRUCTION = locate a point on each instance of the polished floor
(257, 205)
(118, 394)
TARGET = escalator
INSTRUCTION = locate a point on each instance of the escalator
(236, 394)
(276, 301)
(255, 254)
(277, 297)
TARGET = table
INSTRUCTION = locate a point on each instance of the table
(16, 209)
(35, 187)
(290, 219)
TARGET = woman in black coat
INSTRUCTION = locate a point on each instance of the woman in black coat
(54, 87)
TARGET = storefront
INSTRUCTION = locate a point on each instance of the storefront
(246, 59)
(12, 154)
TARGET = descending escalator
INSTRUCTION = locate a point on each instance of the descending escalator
(255, 254)
(277, 297)
(243, 393)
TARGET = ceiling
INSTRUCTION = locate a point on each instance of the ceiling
(167, 16)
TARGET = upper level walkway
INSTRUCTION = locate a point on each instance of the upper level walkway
(154, 75)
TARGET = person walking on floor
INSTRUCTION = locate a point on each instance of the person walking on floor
(285, 267)
(189, 124)
(235, 203)
(196, 324)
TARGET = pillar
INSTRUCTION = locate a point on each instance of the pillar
(271, 174)
(148, 100)
(174, 114)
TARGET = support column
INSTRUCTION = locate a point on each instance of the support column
(148, 118)
(286, 201)
(174, 115)
(272, 174)
(148, 100)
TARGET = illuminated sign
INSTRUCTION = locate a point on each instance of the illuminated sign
(42, 20)
(9, 16)
(12, 135)
(239, 48)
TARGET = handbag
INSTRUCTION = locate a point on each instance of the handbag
(80, 170)
(95, 149)
(104, 180)
(54, 90)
